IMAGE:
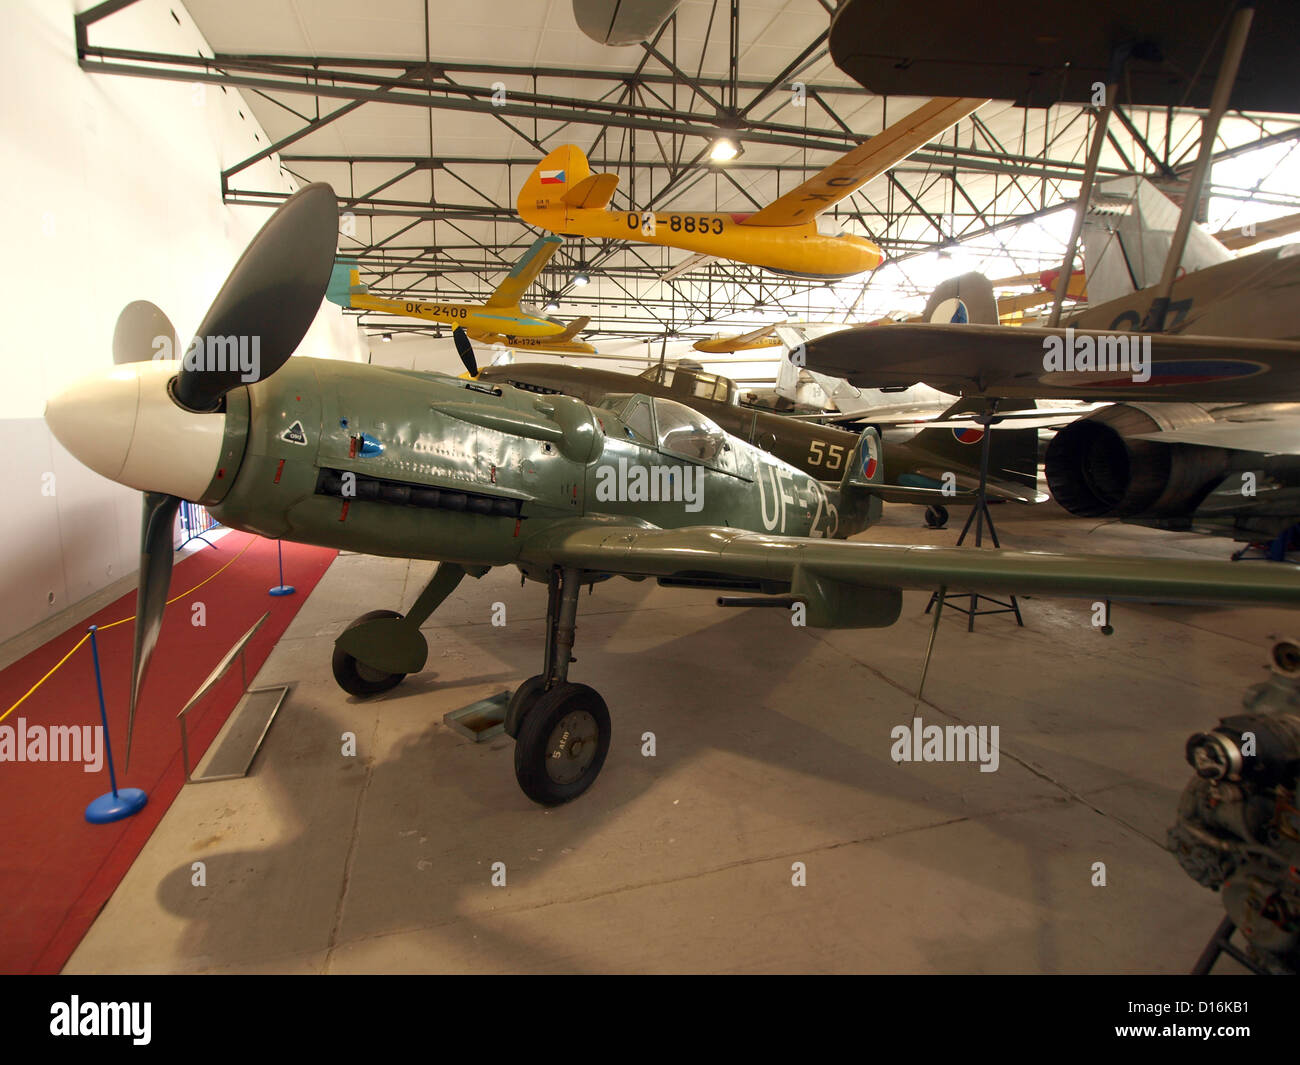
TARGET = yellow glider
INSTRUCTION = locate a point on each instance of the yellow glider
(502, 314)
(562, 343)
(563, 196)
(759, 338)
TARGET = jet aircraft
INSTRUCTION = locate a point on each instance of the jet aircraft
(473, 475)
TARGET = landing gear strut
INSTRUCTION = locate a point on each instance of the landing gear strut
(561, 729)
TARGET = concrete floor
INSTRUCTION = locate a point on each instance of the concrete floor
(773, 747)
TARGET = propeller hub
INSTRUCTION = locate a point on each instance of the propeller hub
(124, 425)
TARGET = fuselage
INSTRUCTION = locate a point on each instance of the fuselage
(419, 465)
(800, 250)
(475, 317)
(915, 458)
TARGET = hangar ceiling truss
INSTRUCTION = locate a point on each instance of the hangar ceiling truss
(433, 224)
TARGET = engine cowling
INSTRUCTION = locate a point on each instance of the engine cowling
(1096, 468)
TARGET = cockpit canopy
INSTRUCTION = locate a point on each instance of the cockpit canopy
(668, 425)
(692, 382)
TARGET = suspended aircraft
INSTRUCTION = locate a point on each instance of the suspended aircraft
(788, 236)
(473, 475)
(501, 314)
(565, 343)
(754, 340)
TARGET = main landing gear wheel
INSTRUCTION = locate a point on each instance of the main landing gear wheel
(562, 743)
(357, 678)
(936, 516)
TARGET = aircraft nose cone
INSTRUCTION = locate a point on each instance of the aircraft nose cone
(95, 419)
(124, 425)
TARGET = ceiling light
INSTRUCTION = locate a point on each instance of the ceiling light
(581, 279)
(724, 150)
(388, 337)
(551, 307)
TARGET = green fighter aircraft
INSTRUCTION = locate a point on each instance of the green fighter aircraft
(917, 461)
(473, 475)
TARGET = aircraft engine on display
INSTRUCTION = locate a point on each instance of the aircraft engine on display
(1238, 829)
(1102, 466)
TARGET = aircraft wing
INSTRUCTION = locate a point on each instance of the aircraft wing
(1000, 361)
(868, 160)
(833, 575)
(524, 273)
(687, 265)
(1273, 436)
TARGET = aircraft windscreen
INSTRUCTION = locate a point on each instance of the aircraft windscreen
(687, 432)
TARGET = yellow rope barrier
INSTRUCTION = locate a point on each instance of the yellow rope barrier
(123, 621)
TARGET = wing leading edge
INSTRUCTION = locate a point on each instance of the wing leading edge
(831, 576)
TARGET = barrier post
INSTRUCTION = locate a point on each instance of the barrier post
(116, 804)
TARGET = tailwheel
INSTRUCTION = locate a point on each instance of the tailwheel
(562, 743)
(357, 678)
(936, 516)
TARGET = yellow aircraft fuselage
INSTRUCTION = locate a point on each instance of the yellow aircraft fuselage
(727, 345)
(475, 317)
(551, 344)
(800, 250)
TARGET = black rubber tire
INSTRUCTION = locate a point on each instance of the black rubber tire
(936, 516)
(360, 680)
(521, 702)
(536, 767)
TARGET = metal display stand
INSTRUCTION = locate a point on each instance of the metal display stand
(254, 701)
(979, 515)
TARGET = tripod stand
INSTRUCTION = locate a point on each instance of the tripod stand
(979, 515)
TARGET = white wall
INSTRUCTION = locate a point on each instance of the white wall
(112, 187)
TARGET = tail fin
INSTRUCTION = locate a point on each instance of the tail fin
(1013, 453)
(964, 299)
(857, 498)
(563, 171)
(573, 328)
(345, 282)
(1128, 231)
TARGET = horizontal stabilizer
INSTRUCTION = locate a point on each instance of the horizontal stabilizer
(593, 192)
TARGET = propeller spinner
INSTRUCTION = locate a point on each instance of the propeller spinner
(158, 427)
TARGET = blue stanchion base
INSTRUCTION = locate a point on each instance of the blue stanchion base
(109, 808)
(283, 589)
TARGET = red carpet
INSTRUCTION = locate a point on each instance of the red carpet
(56, 870)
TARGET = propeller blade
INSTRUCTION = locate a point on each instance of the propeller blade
(143, 332)
(151, 595)
(268, 302)
(465, 350)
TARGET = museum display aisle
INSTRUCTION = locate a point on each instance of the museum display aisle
(57, 870)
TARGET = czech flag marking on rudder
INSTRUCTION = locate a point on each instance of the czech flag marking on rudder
(870, 458)
(552, 177)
